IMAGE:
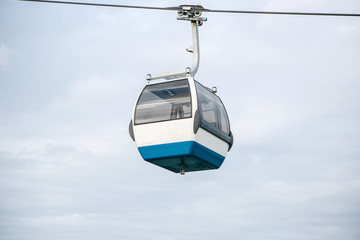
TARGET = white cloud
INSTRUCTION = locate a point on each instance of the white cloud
(312, 6)
(70, 170)
(5, 54)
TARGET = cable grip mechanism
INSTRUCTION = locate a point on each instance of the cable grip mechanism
(191, 13)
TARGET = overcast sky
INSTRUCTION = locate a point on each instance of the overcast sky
(69, 78)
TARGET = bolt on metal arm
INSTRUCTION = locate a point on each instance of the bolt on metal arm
(190, 13)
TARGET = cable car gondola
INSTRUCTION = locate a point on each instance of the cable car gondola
(181, 125)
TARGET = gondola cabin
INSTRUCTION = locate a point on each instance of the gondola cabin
(181, 126)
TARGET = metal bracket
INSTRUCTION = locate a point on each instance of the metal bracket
(190, 13)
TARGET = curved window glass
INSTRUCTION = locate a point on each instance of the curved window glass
(212, 111)
(163, 102)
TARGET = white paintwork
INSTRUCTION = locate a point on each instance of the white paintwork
(212, 142)
(164, 132)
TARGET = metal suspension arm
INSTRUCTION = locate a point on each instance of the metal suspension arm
(194, 17)
(196, 48)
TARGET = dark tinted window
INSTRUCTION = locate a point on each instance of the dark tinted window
(164, 101)
(212, 111)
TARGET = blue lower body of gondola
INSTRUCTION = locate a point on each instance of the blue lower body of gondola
(189, 154)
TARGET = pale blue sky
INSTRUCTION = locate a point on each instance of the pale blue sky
(69, 77)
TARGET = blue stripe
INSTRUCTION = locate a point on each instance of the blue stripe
(169, 154)
(207, 154)
(166, 150)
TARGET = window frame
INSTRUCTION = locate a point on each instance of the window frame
(165, 120)
(208, 126)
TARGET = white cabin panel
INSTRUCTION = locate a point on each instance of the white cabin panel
(212, 142)
(164, 132)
